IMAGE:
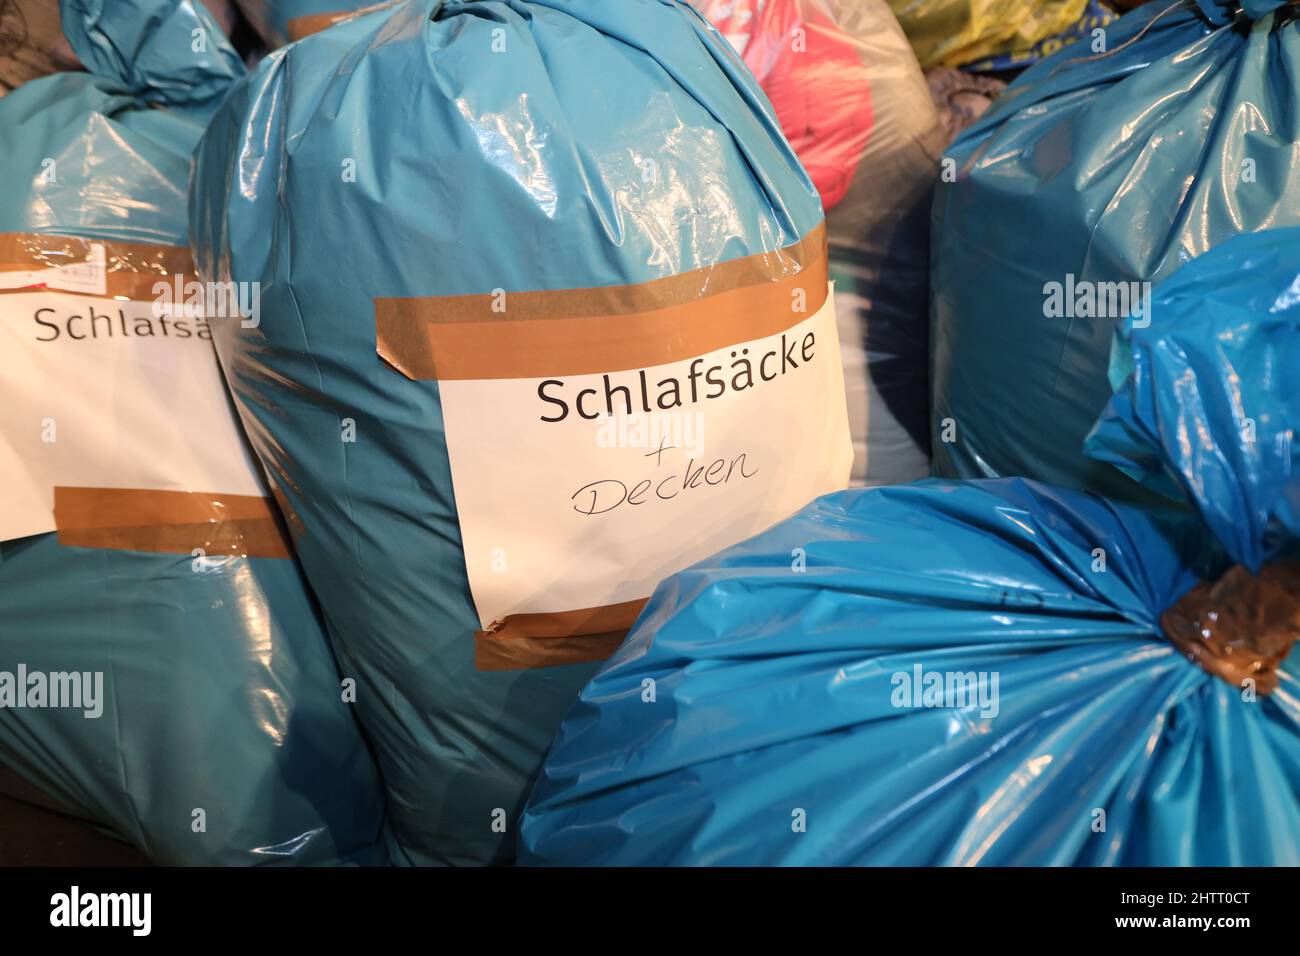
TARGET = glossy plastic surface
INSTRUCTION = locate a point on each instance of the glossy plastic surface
(219, 691)
(1114, 168)
(852, 102)
(956, 32)
(1207, 403)
(166, 53)
(529, 175)
(1025, 49)
(774, 704)
(783, 698)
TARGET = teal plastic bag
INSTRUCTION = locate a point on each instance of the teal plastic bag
(170, 683)
(1094, 175)
(163, 53)
(982, 672)
(442, 247)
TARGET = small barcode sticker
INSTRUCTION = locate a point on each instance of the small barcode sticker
(89, 276)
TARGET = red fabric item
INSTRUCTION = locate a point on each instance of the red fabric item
(812, 72)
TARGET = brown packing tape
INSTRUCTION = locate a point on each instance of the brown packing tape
(305, 26)
(546, 640)
(131, 268)
(172, 522)
(1240, 627)
(300, 27)
(603, 329)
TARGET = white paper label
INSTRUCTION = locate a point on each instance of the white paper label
(100, 393)
(579, 512)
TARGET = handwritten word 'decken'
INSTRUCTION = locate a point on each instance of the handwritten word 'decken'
(603, 496)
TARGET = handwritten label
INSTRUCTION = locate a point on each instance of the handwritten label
(580, 491)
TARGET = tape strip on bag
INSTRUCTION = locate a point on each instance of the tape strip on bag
(547, 640)
(115, 411)
(583, 331)
(305, 26)
(88, 266)
(1241, 627)
(171, 522)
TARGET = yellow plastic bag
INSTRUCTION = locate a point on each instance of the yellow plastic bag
(954, 32)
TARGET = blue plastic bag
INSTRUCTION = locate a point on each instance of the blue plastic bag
(428, 231)
(958, 673)
(1094, 175)
(215, 731)
(1206, 402)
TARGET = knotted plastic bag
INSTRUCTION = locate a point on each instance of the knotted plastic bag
(544, 318)
(1094, 175)
(984, 672)
(164, 674)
